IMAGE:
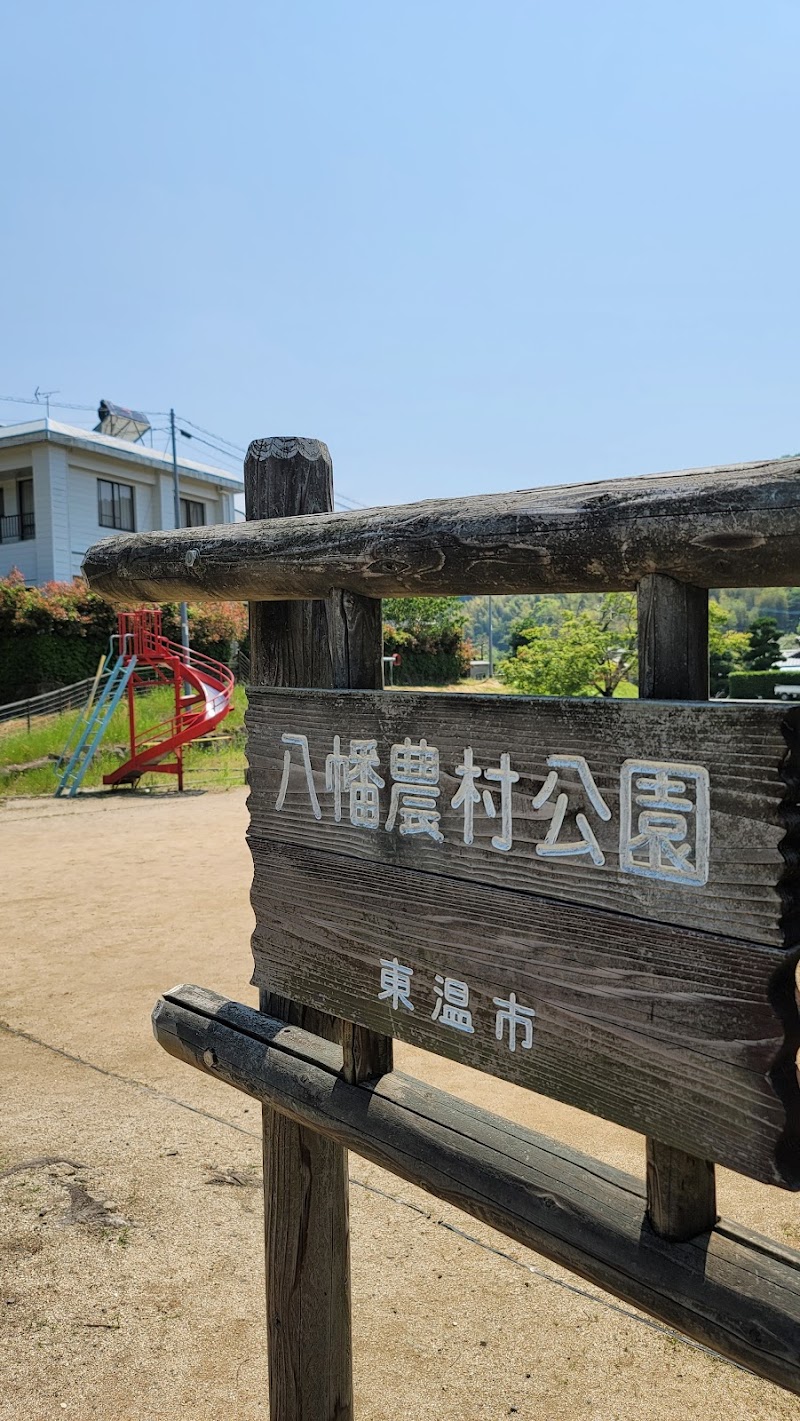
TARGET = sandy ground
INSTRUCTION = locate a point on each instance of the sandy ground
(130, 1209)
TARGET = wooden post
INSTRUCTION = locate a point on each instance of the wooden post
(331, 643)
(673, 665)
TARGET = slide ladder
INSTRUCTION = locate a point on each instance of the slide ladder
(95, 726)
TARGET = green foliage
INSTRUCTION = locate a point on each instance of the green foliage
(425, 616)
(592, 650)
(546, 609)
(428, 634)
(31, 663)
(437, 659)
(726, 649)
(743, 604)
(66, 608)
(760, 685)
(517, 612)
(553, 661)
(215, 628)
(53, 635)
(765, 647)
(547, 613)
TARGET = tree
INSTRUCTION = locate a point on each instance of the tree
(764, 645)
(591, 649)
(726, 648)
(546, 612)
(427, 632)
(425, 616)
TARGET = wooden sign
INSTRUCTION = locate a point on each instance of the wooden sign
(587, 898)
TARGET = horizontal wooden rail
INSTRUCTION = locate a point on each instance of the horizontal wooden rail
(726, 527)
(728, 1289)
(49, 703)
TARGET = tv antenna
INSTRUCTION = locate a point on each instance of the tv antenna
(40, 395)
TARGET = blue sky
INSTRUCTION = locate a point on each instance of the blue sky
(472, 246)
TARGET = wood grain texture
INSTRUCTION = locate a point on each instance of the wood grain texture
(672, 640)
(306, 1200)
(668, 1031)
(728, 1289)
(307, 1241)
(673, 665)
(681, 1192)
(726, 527)
(742, 746)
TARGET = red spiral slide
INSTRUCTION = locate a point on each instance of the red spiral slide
(203, 697)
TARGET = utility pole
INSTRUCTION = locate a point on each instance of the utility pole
(491, 640)
(177, 492)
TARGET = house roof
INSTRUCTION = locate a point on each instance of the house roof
(49, 431)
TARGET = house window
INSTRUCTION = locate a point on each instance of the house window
(115, 505)
(193, 514)
(25, 505)
(15, 527)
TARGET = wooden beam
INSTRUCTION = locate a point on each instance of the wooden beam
(725, 527)
(306, 1208)
(673, 665)
(728, 1289)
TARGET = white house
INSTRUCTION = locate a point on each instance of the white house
(61, 489)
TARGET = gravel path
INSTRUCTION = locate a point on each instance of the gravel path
(130, 1209)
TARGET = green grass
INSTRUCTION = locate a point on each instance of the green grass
(216, 765)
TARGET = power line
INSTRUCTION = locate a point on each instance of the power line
(219, 450)
(211, 435)
(348, 504)
(233, 452)
(57, 404)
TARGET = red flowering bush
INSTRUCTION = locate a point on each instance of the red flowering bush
(53, 635)
(71, 608)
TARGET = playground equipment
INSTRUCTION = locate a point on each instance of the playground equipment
(203, 697)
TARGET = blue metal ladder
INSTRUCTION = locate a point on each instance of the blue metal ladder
(95, 727)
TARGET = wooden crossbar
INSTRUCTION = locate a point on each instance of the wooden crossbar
(693, 526)
(729, 1289)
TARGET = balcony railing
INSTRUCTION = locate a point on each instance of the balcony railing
(17, 528)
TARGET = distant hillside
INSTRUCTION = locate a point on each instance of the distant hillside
(742, 605)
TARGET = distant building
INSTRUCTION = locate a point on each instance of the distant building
(61, 489)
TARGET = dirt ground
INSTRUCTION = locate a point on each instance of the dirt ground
(130, 1209)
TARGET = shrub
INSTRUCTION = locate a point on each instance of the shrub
(31, 663)
(428, 634)
(53, 635)
(438, 659)
(760, 685)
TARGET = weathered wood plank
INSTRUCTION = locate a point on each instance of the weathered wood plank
(667, 1031)
(741, 746)
(731, 1291)
(725, 527)
(306, 1202)
(673, 665)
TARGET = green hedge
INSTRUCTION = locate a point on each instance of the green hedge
(437, 659)
(33, 662)
(760, 685)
